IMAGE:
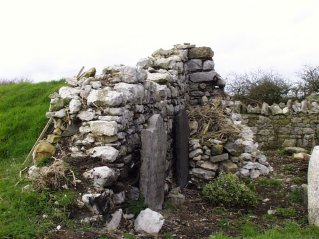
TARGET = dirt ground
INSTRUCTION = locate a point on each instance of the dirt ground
(280, 192)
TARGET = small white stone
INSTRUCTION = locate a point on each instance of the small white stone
(102, 176)
(149, 222)
(115, 221)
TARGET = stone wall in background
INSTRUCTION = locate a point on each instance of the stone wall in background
(282, 125)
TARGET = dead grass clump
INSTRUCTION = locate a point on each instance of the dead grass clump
(54, 177)
(213, 122)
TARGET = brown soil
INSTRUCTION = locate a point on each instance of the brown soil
(198, 219)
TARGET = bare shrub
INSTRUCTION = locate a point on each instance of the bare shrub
(213, 122)
(14, 81)
(258, 87)
(54, 177)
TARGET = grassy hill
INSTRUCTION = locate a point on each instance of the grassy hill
(22, 118)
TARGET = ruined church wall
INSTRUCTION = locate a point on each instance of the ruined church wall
(102, 116)
(280, 125)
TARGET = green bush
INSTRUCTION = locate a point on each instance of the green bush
(227, 190)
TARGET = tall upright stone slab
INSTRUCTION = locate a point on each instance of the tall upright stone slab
(313, 187)
(153, 156)
(181, 138)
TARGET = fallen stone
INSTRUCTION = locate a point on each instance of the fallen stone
(245, 157)
(244, 172)
(299, 156)
(102, 176)
(294, 150)
(254, 173)
(289, 143)
(175, 197)
(42, 150)
(114, 223)
(149, 222)
(96, 219)
(313, 190)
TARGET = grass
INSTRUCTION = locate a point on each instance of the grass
(291, 230)
(25, 214)
(269, 182)
(22, 116)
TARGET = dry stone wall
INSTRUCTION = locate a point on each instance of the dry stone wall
(103, 116)
(282, 125)
(129, 128)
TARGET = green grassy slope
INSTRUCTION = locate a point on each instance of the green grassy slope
(22, 118)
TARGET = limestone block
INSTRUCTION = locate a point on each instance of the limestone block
(200, 53)
(202, 173)
(219, 158)
(229, 166)
(167, 63)
(106, 153)
(208, 165)
(86, 115)
(133, 93)
(208, 65)
(265, 109)
(149, 222)
(313, 190)
(207, 76)
(194, 65)
(114, 223)
(99, 128)
(153, 157)
(75, 106)
(43, 149)
(105, 97)
(68, 92)
(159, 77)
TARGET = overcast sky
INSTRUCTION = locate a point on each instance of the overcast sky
(50, 39)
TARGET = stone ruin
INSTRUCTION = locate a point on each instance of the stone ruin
(129, 128)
